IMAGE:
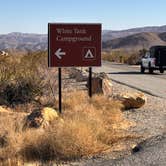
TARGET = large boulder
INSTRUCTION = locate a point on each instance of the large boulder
(101, 84)
(41, 118)
(132, 100)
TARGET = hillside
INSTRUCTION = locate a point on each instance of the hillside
(109, 35)
(23, 41)
(136, 41)
(163, 36)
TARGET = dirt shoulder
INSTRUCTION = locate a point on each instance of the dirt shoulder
(151, 118)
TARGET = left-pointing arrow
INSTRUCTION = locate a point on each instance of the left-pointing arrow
(59, 53)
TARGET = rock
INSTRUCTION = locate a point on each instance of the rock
(107, 87)
(3, 53)
(49, 114)
(96, 85)
(41, 117)
(132, 100)
(136, 148)
(34, 120)
(101, 84)
(78, 74)
(4, 109)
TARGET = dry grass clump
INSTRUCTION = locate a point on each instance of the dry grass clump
(88, 128)
(10, 135)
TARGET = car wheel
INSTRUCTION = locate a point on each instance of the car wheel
(142, 69)
(161, 70)
(150, 69)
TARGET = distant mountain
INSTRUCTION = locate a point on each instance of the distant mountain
(163, 36)
(128, 39)
(136, 41)
(109, 35)
(23, 41)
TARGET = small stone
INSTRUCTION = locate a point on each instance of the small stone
(136, 148)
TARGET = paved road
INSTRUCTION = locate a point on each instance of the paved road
(153, 153)
(154, 84)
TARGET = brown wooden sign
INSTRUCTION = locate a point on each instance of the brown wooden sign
(74, 45)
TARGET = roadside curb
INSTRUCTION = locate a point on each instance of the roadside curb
(142, 90)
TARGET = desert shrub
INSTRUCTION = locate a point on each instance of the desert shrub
(133, 59)
(20, 78)
(24, 90)
(116, 56)
(121, 56)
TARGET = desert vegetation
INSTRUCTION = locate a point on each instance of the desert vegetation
(87, 127)
(131, 57)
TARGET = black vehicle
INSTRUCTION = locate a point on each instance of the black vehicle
(155, 59)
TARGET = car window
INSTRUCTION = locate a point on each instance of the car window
(147, 55)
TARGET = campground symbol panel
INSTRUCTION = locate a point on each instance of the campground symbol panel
(89, 53)
(74, 45)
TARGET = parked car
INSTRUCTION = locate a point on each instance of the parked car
(154, 59)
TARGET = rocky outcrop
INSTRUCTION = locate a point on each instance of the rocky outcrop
(101, 84)
(40, 118)
(132, 100)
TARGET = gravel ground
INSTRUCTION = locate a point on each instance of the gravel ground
(151, 118)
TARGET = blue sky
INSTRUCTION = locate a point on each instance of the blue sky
(32, 16)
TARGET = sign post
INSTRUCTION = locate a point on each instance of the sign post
(74, 45)
(90, 82)
(60, 89)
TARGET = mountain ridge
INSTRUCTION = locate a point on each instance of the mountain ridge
(23, 41)
(128, 39)
(136, 41)
(112, 34)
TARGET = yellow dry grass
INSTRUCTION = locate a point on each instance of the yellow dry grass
(89, 127)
